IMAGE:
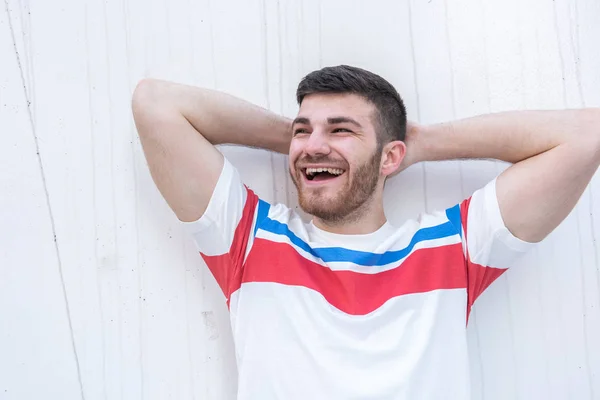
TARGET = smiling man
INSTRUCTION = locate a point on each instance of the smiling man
(349, 306)
(338, 140)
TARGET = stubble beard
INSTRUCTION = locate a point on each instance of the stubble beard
(350, 202)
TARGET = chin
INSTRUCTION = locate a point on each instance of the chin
(327, 209)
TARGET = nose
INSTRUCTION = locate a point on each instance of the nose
(317, 144)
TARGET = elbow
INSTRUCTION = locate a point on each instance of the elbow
(586, 130)
(592, 121)
(596, 128)
(145, 95)
(149, 105)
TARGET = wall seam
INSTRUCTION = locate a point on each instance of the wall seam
(46, 196)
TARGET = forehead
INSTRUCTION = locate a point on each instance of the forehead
(319, 107)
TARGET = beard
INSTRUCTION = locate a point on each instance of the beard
(350, 201)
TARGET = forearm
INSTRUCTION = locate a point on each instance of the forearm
(509, 136)
(222, 118)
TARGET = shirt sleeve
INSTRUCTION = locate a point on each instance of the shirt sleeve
(224, 232)
(489, 247)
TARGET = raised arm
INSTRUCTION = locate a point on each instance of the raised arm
(178, 126)
(556, 153)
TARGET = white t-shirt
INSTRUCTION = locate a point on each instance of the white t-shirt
(317, 315)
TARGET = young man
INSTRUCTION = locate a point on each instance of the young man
(349, 306)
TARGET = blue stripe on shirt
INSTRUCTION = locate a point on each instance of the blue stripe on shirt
(340, 254)
(453, 215)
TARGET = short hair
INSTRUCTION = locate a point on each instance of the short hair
(390, 118)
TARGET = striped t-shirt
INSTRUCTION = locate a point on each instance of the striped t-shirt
(317, 315)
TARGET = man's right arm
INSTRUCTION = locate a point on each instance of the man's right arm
(179, 125)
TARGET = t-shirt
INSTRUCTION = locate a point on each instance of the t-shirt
(318, 315)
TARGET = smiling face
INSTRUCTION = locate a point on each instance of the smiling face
(335, 161)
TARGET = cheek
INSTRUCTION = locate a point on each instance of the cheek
(294, 153)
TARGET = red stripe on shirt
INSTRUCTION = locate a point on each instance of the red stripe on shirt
(479, 277)
(227, 268)
(353, 292)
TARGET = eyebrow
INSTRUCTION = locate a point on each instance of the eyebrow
(330, 121)
(301, 120)
(341, 120)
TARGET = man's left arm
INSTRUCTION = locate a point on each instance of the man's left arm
(555, 155)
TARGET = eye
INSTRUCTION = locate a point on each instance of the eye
(337, 130)
(300, 131)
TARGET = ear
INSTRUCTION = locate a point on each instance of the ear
(391, 157)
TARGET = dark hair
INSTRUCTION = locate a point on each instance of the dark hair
(390, 118)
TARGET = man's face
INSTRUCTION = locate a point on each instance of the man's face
(334, 159)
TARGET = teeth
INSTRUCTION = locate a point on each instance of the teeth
(332, 171)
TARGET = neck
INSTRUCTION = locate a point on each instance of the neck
(368, 218)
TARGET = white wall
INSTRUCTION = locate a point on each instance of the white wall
(102, 296)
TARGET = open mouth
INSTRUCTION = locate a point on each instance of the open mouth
(322, 174)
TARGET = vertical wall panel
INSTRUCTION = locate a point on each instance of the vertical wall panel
(36, 341)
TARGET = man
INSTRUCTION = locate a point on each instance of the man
(349, 306)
